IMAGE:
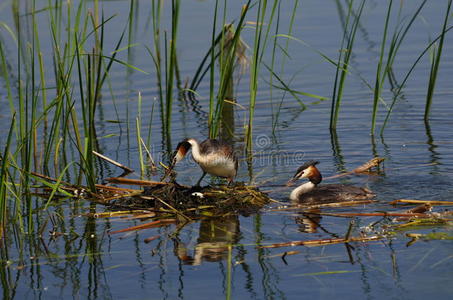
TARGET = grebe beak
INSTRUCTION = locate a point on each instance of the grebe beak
(291, 181)
(299, 174)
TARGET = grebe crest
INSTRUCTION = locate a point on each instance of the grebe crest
(308, 170)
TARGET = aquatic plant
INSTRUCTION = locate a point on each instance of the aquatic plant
(435, 62)
(401, 86)
(342, 66)
(384, 70)
(45, 129)
(4, 182)
(230, 52)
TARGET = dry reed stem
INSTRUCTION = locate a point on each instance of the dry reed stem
(115, 189)
(150, 239)
(173, 209)
(158, 223)
(113, 162)
(109, 214)
(364, 168)
(383, 214)
(129, 181)
(430, 202)
(322, 242)
(142, 216)
(108, 199)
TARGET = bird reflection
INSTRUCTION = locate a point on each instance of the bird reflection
(214, 239)
(309, 220)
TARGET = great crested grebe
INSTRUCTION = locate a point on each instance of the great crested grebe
(214, 157)
(310, 192)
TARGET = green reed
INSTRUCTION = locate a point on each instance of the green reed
(227, 50)
(51, 112)
(276, 114)
(435, 62)
(344, 57)
(214, 42)
(397, 41)
(384, 68)
(95, 67)
(156, 11)
(379, 82)
(171, 69)
(5, 71)
(165, 63)
(4, 173)
(259, 48)
(60, 109)
(218, 44)
(229, 43)
(47, 119)
(138, 126)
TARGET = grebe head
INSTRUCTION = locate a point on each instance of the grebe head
(181, 150)
(307, 170)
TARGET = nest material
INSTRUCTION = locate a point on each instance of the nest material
(211, 200)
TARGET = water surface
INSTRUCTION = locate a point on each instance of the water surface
(88, 263)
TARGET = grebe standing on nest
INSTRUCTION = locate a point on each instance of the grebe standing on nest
(214, 157)
(310, 192)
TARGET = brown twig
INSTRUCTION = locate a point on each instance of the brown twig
(365, 168)
(430, 202)
(322, 242)
(50, 178)
(129, 181)
(150, 239)
(115, 163)
(109, 214)
(142, 216)
(153, 164)
(173, 209)
(115, 188)
(119, 196)
(383, 214)
(157, 223)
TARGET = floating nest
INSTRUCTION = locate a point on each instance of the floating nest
(166, 197)
(172, 198)
(209, 200)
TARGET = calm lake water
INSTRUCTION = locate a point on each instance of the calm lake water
(88, 263)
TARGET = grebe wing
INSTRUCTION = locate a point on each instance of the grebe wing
(215, 146)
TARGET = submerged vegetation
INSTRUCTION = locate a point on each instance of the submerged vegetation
(51, 149)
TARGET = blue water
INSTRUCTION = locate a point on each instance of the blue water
(88, 263)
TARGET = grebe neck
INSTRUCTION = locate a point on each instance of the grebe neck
(302, 189)
(196, 153)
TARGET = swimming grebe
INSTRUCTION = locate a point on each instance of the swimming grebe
(214, 157)
(310, 192)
